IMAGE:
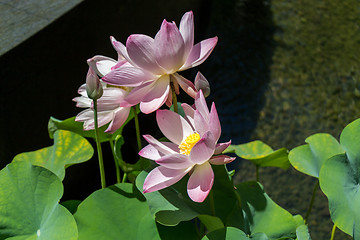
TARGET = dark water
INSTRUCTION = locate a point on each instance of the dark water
(282, 70)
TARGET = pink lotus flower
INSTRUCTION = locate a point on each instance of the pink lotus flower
(109, 109)
(154, 63)
(193, 148)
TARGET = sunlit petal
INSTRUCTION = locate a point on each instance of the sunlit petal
(169, 47)
(221, 160)
(203, 149)
(162, 177)
(167, 120)
(141, 51)
(187, 31)
(200, 182)
(199, 53)
(175, 161)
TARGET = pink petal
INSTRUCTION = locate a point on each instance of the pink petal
(201, 105)
(121, 49)
(221, 159)
(220, 147)
(199, 53)
(162, 147)
(156, 96)
(189, 114)
(162, 177)
(169, 100)
(187, 31)
(175, 161)
(203, 149)
(169, 47)
(101, 64)
(82, 90)
(200, 124)
(201, 83)
(87, 116)
(137, 94)
(200, 182)
(141, 51)
(82, 102)
(127, 76)
(214, 122)
(173, 126)
(152, 153)
(185, 84)
(111, 99)
(120, 117)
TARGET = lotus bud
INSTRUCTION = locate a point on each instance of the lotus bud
(94, 88)
(202, 84)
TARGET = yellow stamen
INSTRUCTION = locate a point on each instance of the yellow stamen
(186, 145)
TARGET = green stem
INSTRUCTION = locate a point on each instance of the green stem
(333, 232)
(257, 173)
(137, 127)
(238, 198)
(212, 202)
(117, 167)
(174, 97)
(98, 146)
(311, 201)
(124, 177)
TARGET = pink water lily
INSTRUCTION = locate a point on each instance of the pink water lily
(193, 148)
(108, 105)
(154, 63)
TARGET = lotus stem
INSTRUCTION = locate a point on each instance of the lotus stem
(124, 177)
(311, 201)
(98, 146)
(137, 128)
(333, 232)
(117, 167)
(174, 97)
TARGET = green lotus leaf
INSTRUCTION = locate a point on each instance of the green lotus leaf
(261, 154)
(184, 230)
(171, 205)
(309, 158)
(340, 182)
(69, 148)
(231, 233)
(261, 214)
(302, 231)
(117, 212)
(29, 207)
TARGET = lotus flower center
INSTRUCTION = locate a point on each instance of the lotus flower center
(186, 145)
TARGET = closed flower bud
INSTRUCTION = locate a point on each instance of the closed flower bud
(202, 84)
(94, 88)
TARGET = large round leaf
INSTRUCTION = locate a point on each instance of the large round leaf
(340, 181)
(231, 233)
(171, 205)
(29, 208)
(119, 212)
(258, 213)
(309, 158)
(261, 154)
(69, 148)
